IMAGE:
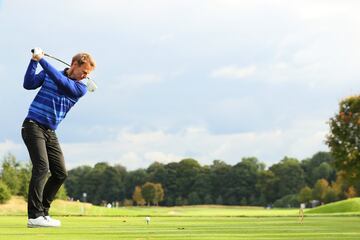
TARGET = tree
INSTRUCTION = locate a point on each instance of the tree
(340, 185)
(181, 201)
(156, 172)
(111, 185)
(170, 185)
(148, 192)
(289, 177)
(243, 202)
(208, 199)
(330, 195)
(202, 185)
(320, 165)
(25, 176)
(219, 200)
(10, 173)
(78, 182)
(94, 183)
(5, 193)
(266, 186)
(351, 192)
(305, 195)
(186, 175)
(288, 201)
(320, 190)
(134, 178)
(324, 170)
(159, 194)
(219, 178)
(61, 194)
(344, 137)
(137, 196)
(242, 179)
(103, 183)
(194, 198)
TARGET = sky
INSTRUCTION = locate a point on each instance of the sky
(215, 79)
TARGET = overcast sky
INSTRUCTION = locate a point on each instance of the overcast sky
(215, 79)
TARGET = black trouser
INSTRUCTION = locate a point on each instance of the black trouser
(45, 153)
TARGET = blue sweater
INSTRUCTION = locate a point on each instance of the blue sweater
(57, 94)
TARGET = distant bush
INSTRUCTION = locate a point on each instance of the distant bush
(61, 194)
(5, 194)
(289, 201)
(129, 203)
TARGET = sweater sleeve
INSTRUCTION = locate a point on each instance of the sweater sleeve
(70, 87)
(32, 80)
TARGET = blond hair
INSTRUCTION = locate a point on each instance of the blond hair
(82, 58)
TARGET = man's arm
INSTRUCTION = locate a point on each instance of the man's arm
(32, 80)
(71, 87)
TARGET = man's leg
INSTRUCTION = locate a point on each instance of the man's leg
(57, 169)
(35, 142)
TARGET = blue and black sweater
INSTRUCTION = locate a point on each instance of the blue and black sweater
(58, 93)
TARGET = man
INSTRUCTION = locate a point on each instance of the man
(59, 91)
(301, 212)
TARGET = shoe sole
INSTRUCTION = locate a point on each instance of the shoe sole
(39, 226)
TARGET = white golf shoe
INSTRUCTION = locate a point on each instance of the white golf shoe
(54, 222)
(43, 222)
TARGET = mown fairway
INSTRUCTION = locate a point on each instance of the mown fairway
(14, 227)
(339, 220)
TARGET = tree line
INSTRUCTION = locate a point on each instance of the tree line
(248, 182)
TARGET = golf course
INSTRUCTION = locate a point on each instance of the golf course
(338, 220)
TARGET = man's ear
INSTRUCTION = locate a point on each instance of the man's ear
(74, 64)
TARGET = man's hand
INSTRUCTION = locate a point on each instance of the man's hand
(38, 54)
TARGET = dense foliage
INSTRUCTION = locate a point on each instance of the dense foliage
(188, 183)
(5, 193)
(344, 137)
(248, 182)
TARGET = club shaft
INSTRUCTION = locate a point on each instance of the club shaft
(57, 59)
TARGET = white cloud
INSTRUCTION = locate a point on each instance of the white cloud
(9, 146)
(139, 149)
(126, 82)
(161, 157)
(130, 157)
(233, 71)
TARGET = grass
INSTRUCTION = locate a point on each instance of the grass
(17, 206)
(84, 221)
(347, 206)
(176, 228)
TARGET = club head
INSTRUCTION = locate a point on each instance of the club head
(91, 85)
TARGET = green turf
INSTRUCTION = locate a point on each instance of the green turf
(85, 221)
(347, 206)
(176, 228)
(79, 209)
(17, 206)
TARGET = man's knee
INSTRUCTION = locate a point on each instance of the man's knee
(61, 176)
(40, 172)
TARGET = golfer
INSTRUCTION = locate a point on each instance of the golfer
(59, 91)
(301, 212)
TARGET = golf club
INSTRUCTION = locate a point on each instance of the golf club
(91, 85)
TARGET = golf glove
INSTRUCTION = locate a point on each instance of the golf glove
(38, 53)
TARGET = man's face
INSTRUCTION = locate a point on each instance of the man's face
(80, 71)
